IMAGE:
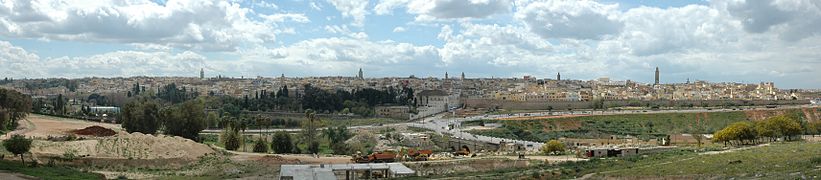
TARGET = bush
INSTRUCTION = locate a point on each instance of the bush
(230, 138)
(553, 147)
(282, 143)
(260, 146)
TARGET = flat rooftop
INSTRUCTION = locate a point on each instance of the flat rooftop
(326, 171)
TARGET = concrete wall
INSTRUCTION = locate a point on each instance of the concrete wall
(564, 105)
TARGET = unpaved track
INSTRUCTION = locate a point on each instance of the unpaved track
(41, 126)
(303, 159)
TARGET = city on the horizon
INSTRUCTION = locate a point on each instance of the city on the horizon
(410, 89)
(716, 41)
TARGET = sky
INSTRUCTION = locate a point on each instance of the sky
(716, 41)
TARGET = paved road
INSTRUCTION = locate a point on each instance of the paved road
(440, 125)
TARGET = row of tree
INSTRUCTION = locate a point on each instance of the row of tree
(147, 116)
(770, 129)
(283, 142)
(326, 101)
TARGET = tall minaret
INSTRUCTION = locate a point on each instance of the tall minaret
(559, 76)
(463, 76)
(361, 77)
(446, 75)
(282, 80)
(202, 73)
(657, 75)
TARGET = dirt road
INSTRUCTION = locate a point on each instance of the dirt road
(41, 126)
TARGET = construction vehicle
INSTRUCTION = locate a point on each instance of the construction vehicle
(464, 151)
(377, 157)
(420, 155)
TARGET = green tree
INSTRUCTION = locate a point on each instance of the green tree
(553, 147)
(186, 119)
(260, 146)
(337, 137)
(309, 131)
(282, 143)
(141, 115)
(13, 106)
(741, 132)
(230, 138)
(18, 145)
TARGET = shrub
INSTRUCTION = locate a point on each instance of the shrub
(230, 138)
(260, 146)
(553, 147)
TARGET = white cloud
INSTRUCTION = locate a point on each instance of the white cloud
(187, 24)
(452, 9)
(792, 19)
(352, 8)
(571, 19)
(341, 56)
(387, 6)
(278, 18)
(398, 29)
(19, 63)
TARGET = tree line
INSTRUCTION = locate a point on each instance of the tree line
(173, 111)
(771, 129)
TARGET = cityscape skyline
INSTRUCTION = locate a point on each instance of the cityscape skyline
(717, 41)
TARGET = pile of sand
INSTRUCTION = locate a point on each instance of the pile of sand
(126, 146)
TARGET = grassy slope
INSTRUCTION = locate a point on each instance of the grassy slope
(643, 125)
(45, 172)
(777, 161)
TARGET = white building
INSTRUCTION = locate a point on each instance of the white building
(430, 102)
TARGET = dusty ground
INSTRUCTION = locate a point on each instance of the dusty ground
(293, 158)
(40, 126)
(14, 176)
(543, 117)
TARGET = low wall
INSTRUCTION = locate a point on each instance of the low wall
(563, 105)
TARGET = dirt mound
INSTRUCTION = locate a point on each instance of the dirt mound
(126, 146)
(98, 131)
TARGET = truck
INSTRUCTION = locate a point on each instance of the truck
(420, 155)
(377, 157)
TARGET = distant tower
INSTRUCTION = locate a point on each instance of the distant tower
(361, 77)
(202, 73)
(559, 76)
(657, 75)
(463, 76)
(446, 75)
(282, 79)
(688, 80)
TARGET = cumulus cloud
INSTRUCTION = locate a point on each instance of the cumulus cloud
(427, 10)
(19, 63)
(571, 19)
(278, 18)
(450, 9)
(352, 8)
(187, 24)
(342, 56)
(793, 20)
(399, 29)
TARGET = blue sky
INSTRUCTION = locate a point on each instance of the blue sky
(717, 41)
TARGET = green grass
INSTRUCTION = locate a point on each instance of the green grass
(45, 172)
(778, 160)
(644, 126)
